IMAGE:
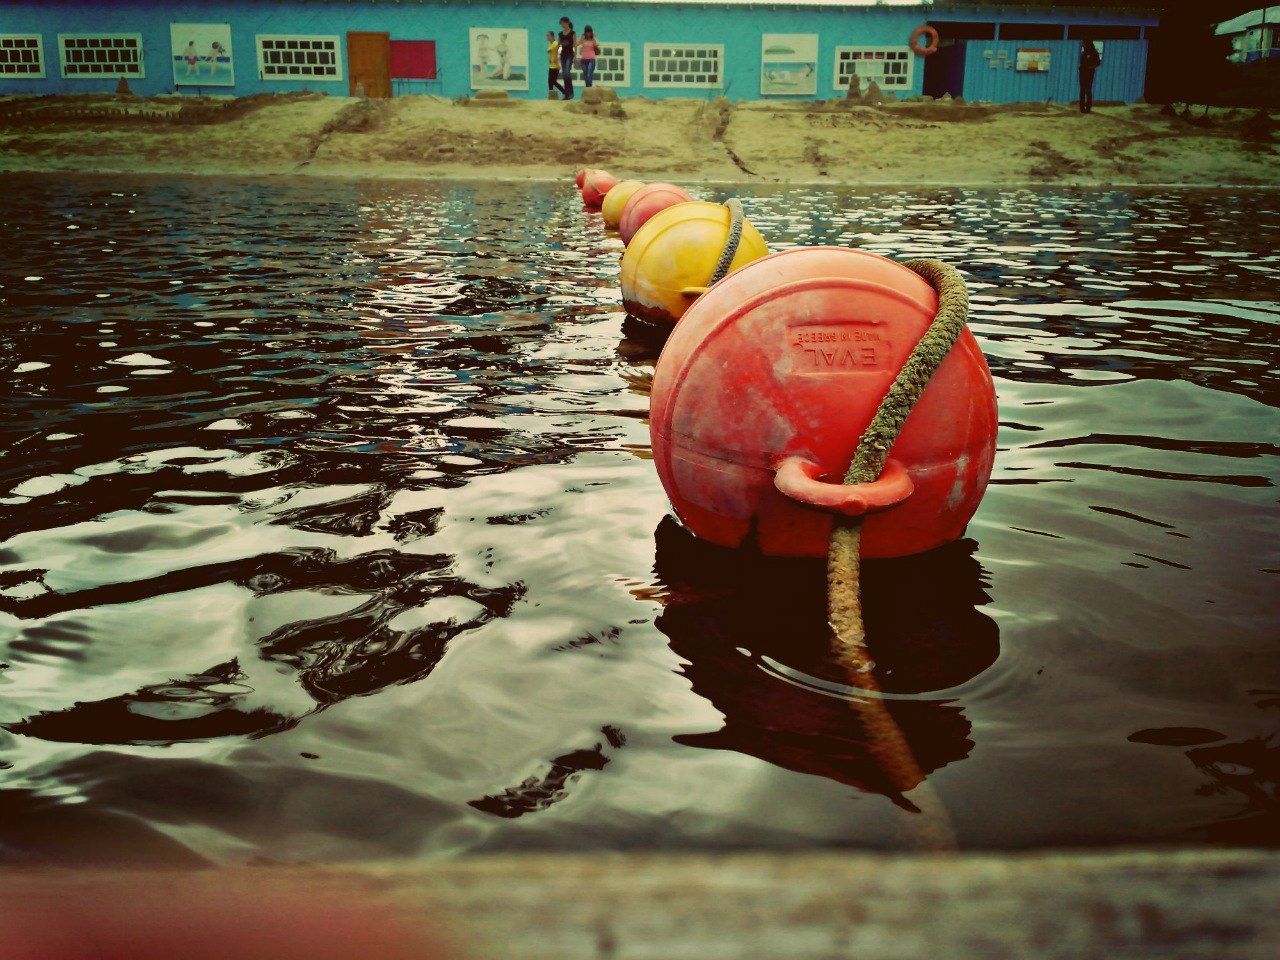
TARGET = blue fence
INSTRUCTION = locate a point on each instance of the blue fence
(1120, 76)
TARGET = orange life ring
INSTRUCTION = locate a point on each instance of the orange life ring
(921, 31)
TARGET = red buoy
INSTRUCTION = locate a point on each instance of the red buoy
(595, 185)
(767, 384)
(581, 175)
(644, 203)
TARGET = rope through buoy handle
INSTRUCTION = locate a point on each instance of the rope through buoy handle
(736, 220)
(885, 739)
(925, 358)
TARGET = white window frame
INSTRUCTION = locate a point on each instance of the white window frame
(39, 48)
(652, 51)
(909, 60)
(104, 74)
(623, 50)
(336, 77)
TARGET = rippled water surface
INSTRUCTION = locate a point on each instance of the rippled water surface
(328, 529)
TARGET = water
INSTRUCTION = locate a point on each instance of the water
(328, 530)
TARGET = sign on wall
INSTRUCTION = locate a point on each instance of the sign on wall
(202, 55)
(1033, 60)
(788, 63)
(413, 59)
(499, 58)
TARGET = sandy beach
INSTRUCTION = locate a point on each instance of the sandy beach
(834, 142)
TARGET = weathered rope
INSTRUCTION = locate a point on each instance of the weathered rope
(844, 600)
(736, 219)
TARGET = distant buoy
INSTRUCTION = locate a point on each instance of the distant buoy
(577, 181)
(594, 187)
(644, 203)
(616, 199)
(767, 384)
(671, 259)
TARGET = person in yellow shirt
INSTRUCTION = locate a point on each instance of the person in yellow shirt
(554, 89)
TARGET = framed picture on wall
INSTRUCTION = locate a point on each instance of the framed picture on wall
(1033, 60)
(201, 54)
(499, 58)
(788, 64)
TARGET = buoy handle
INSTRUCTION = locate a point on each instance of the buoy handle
(798, 479)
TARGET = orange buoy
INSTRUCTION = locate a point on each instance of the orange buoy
(644, 203)
(616, 199)
(671, 259)
(769, 381)
(924, 30)
(577, 180)
(594, 187)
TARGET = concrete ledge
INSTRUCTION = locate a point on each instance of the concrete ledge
(1207, 905)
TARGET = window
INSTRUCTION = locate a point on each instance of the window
(613, 66)
(684, 65)
(101, 55)
(889, 67)
(298, 58)
(21, 56)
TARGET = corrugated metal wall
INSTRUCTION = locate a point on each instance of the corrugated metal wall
(1121, 76)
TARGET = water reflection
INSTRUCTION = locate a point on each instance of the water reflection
(327, 530)
(1245, 772)
(753, 636)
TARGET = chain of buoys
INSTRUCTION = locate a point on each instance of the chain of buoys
(784, 369)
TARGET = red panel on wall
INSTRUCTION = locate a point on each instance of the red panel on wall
(413, 59)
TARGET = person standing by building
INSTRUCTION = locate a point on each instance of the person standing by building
(588, 50)
(568, 42)
(553, 67)
(1090, 60)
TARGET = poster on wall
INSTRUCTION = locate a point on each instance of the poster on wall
(789, 63)
(1033, 60)
(201, 55)
(499, 58)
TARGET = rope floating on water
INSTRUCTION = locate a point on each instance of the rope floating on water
(886, 741)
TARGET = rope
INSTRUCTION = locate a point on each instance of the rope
(844, 600)
(730, 250)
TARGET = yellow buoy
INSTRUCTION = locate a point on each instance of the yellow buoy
(671, 259)
(616, 199)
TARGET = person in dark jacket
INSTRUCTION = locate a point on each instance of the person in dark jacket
(1090, 59)
(568, 44)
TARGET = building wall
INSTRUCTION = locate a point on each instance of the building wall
(739, 29)
(1120, 77)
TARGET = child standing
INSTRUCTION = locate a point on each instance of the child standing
(553, 67)
(588, 49)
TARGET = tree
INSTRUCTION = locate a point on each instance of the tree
(1187, 62)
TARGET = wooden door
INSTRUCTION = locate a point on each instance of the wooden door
(369, 63)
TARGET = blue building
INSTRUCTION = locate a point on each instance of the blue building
(655, 48)
(1254, 35)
